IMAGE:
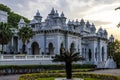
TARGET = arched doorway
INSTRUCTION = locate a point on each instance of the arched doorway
(61, 48)
(51, 48)
(72, 47)
(96, 54)
(102, 53)
(35, 48)
(89, 55)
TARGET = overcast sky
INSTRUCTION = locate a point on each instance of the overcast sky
(99, 12)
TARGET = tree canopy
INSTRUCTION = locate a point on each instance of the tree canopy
(13, 18)
(5, 33)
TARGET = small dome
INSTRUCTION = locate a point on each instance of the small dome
(52, 11)
(33, 21)
(88, 24)
(62, 14)
(69, 22)
(38, 13)
(77, 22)
(100, 30)
(56, 14)
(111, 38)
(22, 21)
(93, 29)
(82, 22)
(105, 32)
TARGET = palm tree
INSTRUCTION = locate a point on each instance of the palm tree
(25, 33)
(5, 34)
(68, 58)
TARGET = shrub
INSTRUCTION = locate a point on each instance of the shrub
(116, 57)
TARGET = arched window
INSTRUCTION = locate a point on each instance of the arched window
(51, 48)
(89, 55)
(96, 54)
(61, 48)
(35, 48)
(102, 53)
(72, 47)
(85, 53)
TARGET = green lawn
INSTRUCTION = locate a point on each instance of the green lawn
(54, 78)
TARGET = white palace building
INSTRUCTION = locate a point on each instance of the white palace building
(54, 33)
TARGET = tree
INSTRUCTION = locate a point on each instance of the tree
(5, 34)
(13, 18)
(116, 57)
(113, 47)
(118, 8)
(68, 58)
(25, 33)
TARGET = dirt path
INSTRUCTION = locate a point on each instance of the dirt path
(115, 72)
(9, 77)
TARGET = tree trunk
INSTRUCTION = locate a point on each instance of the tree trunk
(68, 66)
(23, 48)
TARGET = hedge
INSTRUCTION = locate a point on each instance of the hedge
(36, 76)
(19, 69)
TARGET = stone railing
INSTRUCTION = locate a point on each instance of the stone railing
(25, 57)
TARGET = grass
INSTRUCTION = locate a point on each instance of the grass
(91, 79)
(52, 78)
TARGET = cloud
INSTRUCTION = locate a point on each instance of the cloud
(100, 23)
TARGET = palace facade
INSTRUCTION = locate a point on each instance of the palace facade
(55, 33)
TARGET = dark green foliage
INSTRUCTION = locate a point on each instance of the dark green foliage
(116, 57)
(13, 18)
(5, 33)
(38, 68)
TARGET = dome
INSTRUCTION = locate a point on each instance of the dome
(93, 29)
(62, 14)
(111, 38)
(88, 24)
(100, 30)
(105, 32)
(56, 14)
(33, 21)
(38, 13)
(69, 22)
(52, 11)
(77, 22)
(22, 21)
(82, 22)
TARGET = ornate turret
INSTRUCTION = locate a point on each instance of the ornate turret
(105, 33)
(21, 23)
(56, 14)
(111, 38)
(63, 18)
(88, 24)
(82, 23)
(77, 22)
(100, 32)
(93, 29)
(38, 17)
(52, 11)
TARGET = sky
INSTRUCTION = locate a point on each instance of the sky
(100, 12)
